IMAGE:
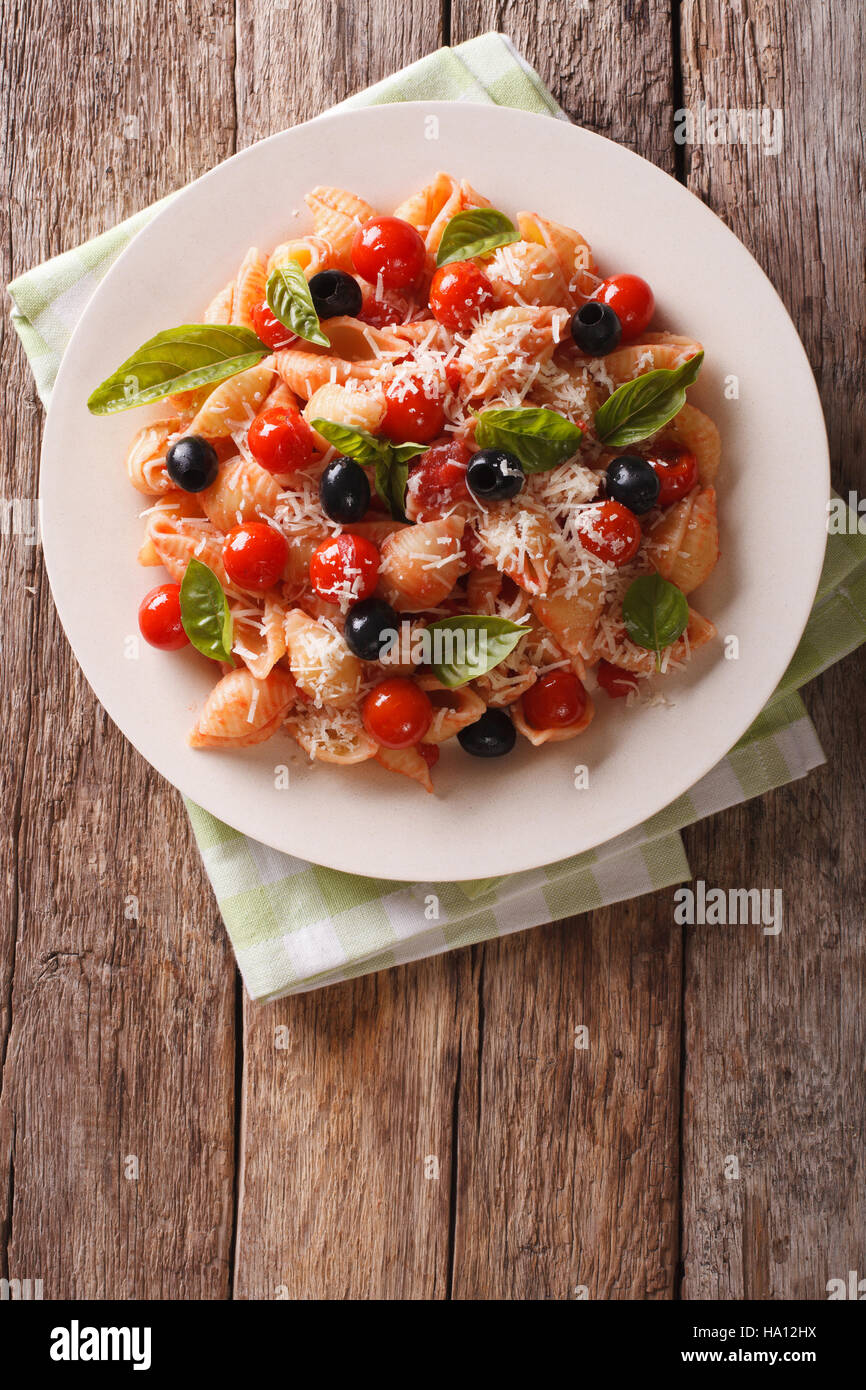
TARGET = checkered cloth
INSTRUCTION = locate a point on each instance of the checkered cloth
(296, 926)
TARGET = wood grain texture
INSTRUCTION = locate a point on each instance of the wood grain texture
(117, 1031)
(774, 1026)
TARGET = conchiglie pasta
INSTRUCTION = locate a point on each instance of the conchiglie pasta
(331, 735)
(408, 762)
(453, 710)
(614, 644)
(235, 402)
(420, 564)
(310, 252)
(220, 308)
(347, 405)
(572, 251)
(337, 215)
(177, 540)
(242, 710)
(145, 458)
(249, 288)
(537, 737)
(697, 432)
(521, 542)
(259, 633)
(307, 372)
(243, 491)
(320, 661)
(526, 273)
(572, 612)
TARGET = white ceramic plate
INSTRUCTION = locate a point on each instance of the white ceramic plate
(523, 811)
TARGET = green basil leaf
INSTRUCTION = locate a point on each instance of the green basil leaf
(654, 613)
(391, 479)
(205, 613)
(540, 438)
(638, 408)
(475, 232)
(180, 359)
(289, 300)
(355, 444)
(477, 643)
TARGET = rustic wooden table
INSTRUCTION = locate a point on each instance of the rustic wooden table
(300, 1171)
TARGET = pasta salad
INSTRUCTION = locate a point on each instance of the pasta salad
(422, 476)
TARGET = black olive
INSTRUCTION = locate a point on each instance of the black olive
(492, 736)
(334, 292)
(494, 474)
(366, 624)
(192, 463)
(596, 329)
(344, 491)
(633, 482)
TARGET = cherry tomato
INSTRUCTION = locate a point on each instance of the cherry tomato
(556, 700)
(458, 294)
(281, 440)
(617, 682)
(379, 313)
(159, 618)
(632, 301)
(430, 753)
(397, 713)
(273, 334)
(677, 468)
(389, 247)
(474, 556)
(610, 531)
(411, 412)
(345, 567)
(255, 555)
(453, 375)
(437, 480)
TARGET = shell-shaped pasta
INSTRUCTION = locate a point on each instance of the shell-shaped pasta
(250, 287)
(320, 661)
(572, 251)
(539, 736)
(573, 617)
(461, 197)
(422, 208)
(306, 372)
(280, 395)
(697, 432)
(422, 563)
(242, 710)
(698, 551)
(614, 644)
(568, 387)
(354, 341)
(235, 401)
(243, 491)
(337, 215)
(296, 576)
(220, 308)
(665, 535)
(637, 358)
(346, 405)
(483, 588)
(520, 541)
(187, 404)
(145, 458)
(509, 348)
(310, 252)
(171, 505)
(331, 735)
(177, 539)
(259, 633)
(453, 710)
(408, 762)
(528, 273)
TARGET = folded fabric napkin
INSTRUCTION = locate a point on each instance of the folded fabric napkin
(296, 926)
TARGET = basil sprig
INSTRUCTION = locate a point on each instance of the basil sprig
(654, 613)
(540, 438)
(475, 232)
(638, 408)
(290, 301)
(391, 461)
(180, 359)
(485, 642)
(205, 613)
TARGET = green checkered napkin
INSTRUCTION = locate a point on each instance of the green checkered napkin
(295, 926)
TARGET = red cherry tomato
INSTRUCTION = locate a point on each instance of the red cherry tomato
(379, 313)
(430, 753)
(255, 555)
(677, 470)
(632, 301)
(411, 413)
(458, 294)
(556, 700)
(345, 567)
(389, 247)
(272, 333)
(397, 713)
(437, 480)
(617, 682)
(610, 531)
(159, 618)
(281, 440)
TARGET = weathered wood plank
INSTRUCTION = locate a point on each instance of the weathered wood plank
(339, 1119)
(568, 1159)
(117, 1032)
(774, 1024)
